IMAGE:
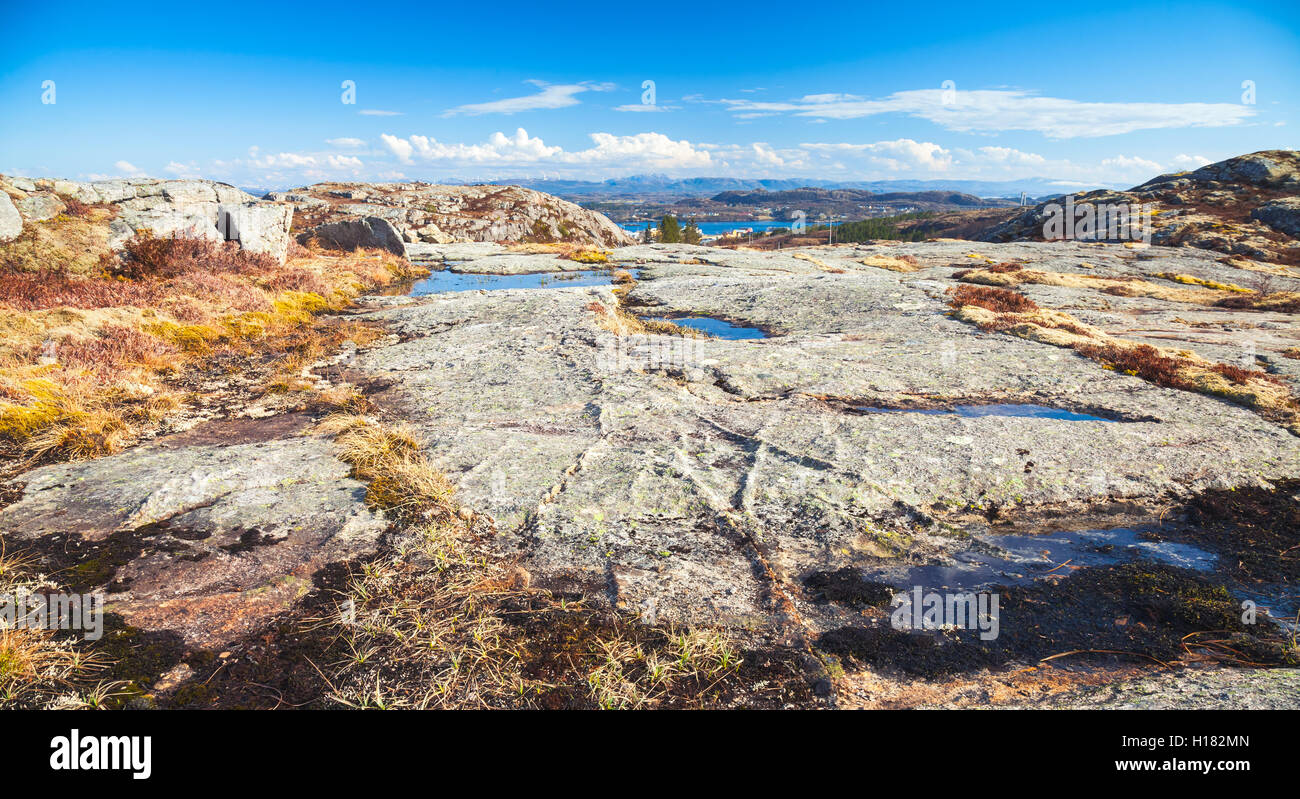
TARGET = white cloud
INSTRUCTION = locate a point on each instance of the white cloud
(127, 168)
(1184, 161)
(346, 143)
(375, 112)
(550, 96)
(1131, 164)
(643, 150)
(900, 155)
(1005, 109)
(765, 155)
(190, 170)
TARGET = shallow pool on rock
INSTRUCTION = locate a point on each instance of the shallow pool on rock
(718, 328)
(443, 280)
(1018, 559)
(1002, 409)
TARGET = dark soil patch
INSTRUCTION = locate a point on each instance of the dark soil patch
(1131, 610)
(1256, 531)
(560, 646)
(228, 432)
(848, 587)
(83, 564)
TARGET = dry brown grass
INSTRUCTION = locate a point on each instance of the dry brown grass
(1009, 275)
(622, 322)
(39, 669)
(87, 361)
(1266, 394)
(64, 245)
(443, 622)
(902, 263)
(390, 459)
(1277, 301)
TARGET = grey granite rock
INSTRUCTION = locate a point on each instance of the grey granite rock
(11, 222)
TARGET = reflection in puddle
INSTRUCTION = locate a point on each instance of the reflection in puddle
(970, 411)
(717, 328)
(1018, 559)
(442, 280)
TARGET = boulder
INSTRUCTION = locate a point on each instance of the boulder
(11, 222)
(202, 209)
(259, 226)
(355, 233)
(39, 206)
(1282, 215)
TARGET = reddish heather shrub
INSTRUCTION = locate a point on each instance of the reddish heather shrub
(114, 345)
(1143, 360)
(1243, 376)
(26, 291)
(222, 289)
(1278, 301)
(294, 279)
(75, 207)
(1005, 266)
(994, 299)
(148, 256)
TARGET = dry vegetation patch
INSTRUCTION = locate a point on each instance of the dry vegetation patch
(90, 357)
(40, 668)
(1002, 310)
(443, 621)
(1010, 275)
(902, 263)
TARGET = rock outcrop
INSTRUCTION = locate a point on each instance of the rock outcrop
(11, 223)
(199, 208)
(684, 475)
(422, 212)
(706, 479)
(201, 540)
(1244, 206)
(367, 232)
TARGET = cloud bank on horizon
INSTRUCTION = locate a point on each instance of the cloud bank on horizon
(998, 101)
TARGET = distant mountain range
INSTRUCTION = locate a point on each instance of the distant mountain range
(662, 185)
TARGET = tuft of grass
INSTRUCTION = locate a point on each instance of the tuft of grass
(622, 322)
(389, 458)
(903, 263)
(588, 256)
(1190, 280)
(39, 669)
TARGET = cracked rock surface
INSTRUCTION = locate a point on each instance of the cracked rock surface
(203, 540)
(702, 478)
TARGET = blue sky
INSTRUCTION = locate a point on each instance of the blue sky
(253, 94)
